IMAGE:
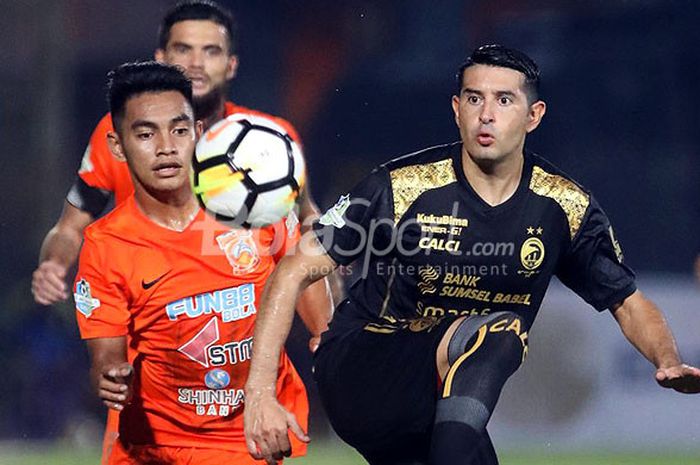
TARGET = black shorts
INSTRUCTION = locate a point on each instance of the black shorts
(379, 385)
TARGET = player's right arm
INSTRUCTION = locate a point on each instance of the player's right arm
(103, 316)
(266, 422)
(59, 251)
(342, 235)
(110, 373)
(86, 199)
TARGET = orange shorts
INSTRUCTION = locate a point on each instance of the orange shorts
(111, 435)
(166, 455)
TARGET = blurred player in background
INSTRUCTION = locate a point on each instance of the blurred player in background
(459, 242)
(166, 304)
(198, 35)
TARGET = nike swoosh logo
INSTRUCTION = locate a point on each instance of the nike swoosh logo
(212, 134)
(148, 285)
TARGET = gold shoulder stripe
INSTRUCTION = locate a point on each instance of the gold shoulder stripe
(568, 195)
(409, 182)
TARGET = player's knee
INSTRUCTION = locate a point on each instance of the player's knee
(511, 334)
(503, 335)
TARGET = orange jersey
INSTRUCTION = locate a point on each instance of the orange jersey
(187, 302)
(99, 168)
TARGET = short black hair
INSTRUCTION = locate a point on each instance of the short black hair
(206, 10)
(503, 57)
(131, 79)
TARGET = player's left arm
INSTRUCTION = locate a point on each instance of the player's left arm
(110, 372)
(308, 210)
(315, 303)
(646, 328)
(308, 214)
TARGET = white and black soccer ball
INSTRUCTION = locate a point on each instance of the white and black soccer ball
(247, 169)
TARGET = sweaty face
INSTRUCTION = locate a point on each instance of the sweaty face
(157, 138)
(201, 48)
(493, 114)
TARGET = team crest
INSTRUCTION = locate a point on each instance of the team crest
(532, 253)
(84, 301)
(334, 215)
(240, 250)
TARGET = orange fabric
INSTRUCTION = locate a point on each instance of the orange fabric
(162, 455)
(187, 303)
(110, 436)
(101, 170)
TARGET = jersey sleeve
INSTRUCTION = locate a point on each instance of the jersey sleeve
(360, 220)
(95, 170)
(593, 266)
(87, 198)
(100, 302)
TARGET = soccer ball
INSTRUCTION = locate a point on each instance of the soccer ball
(247, 170)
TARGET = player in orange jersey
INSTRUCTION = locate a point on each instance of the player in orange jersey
(166, 296)
(198, 35)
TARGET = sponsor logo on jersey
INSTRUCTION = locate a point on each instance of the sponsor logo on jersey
(196, 348)
(84, 301)
(217, 379)
(231, 352)
(212, 402)
(202, 348)
(441, 224)
(153, 282)
(429, 243)
(428, 276)
(234, 303)
(334, 215)
(240, 250)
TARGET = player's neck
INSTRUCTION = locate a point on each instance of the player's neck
(494, 182)
(212, 115)
(171, 210)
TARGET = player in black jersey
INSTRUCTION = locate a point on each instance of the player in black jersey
(457, 245)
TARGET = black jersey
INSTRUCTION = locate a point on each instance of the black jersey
(429, 246)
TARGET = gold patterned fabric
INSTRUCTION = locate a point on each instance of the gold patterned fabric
(409, 182)
(568, 195)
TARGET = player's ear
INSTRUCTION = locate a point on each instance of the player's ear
(232, 67)
(159, 55)
(115, 146)
(537, 111)
(455, 108)
(198, 128)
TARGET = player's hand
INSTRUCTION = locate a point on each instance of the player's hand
(49, 283)
(114, 385)
(683, 378)
(265, 423)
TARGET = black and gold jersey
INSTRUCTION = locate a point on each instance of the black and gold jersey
(424, 244)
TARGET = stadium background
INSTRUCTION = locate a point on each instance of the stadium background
(365, 81)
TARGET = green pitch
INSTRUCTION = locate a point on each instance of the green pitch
(325, 454)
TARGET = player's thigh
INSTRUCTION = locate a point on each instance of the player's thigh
(380, 385)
